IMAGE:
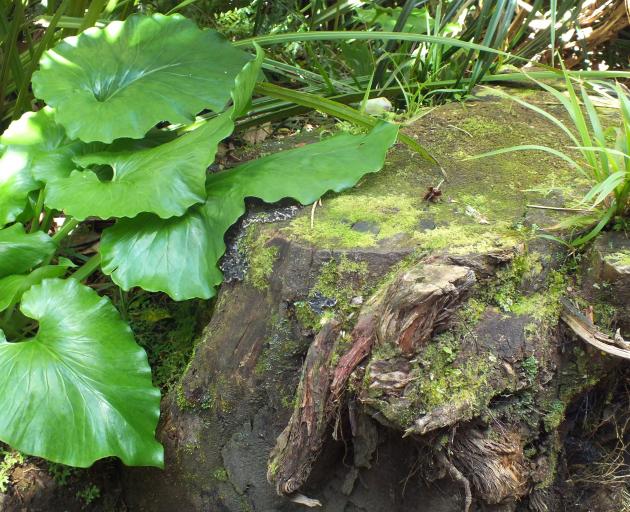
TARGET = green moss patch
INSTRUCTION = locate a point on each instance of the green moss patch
(621, 258)
(168, 331)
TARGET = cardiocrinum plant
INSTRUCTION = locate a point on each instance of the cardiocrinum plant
(74, 385)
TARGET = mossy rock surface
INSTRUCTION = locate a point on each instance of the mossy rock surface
(238, 392)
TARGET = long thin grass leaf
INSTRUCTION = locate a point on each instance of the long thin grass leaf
(595, 231)
(367, 36)
(553, 9)
(539, 111)
(335, 109)
(604, 188)
(530, 147)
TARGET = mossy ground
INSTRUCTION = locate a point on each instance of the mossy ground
(498, 188)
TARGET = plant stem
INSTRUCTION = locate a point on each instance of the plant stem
(38, 211)
(47, 220)
(68, 226)
(8, 314)
(88, 268)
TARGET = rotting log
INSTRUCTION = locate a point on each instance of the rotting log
(406, 313)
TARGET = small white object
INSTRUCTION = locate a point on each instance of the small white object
(305, 500)
(376, 106)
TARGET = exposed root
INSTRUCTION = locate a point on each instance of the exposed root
(495, 464)
(458, 477)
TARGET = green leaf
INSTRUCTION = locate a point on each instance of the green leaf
(80, 390)
(16, 183)
(19, 252)
(121, 80)
(47, 150)
(36, 148)
(245, 82)
(164, 180)
(13, 287)
(179, 256)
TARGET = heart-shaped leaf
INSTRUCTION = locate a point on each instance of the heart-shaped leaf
(121, 80)
(19, 252)
(80, 390)
(179, 256)
(164, 180)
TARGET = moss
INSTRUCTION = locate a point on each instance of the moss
(168, 332)
(605, 315)
(467, 237)
(306, 317)
(443, 381)
(504, 291)
(10, 460)
(182, 402)
(530, 367)
(272, 467)
(339, 280)
(552, 462)
(498, 187)
(554, 415)
(220, 474)
(333, 224)
(543, 306)
(260, 255)
(342, 280)
(483, 127)
(472, 311)
(621, 258)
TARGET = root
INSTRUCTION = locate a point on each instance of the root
(458, 477)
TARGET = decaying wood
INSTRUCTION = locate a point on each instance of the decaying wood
(301, 441)
(414, 306)
(419, 302)
(586, 331)
(440, 417)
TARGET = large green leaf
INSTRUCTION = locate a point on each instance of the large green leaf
(16, 183)
(14, 286)
(19, 251)
(121, 80)
(179, 256)
(80, 390)
(36, 148)
(48, 150)
(164, 180)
